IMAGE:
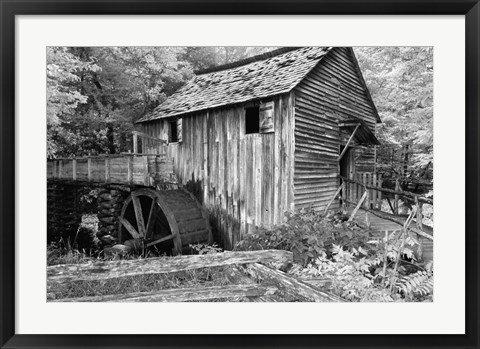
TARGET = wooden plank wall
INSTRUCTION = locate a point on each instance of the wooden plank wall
(246, 179)
(331, 92)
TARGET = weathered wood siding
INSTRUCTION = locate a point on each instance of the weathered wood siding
(331, 92)
(246, 180)
(146, 170)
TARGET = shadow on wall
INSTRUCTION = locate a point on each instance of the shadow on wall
(195, 187)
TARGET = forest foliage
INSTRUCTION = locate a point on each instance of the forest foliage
(95, 94)
(400, 80)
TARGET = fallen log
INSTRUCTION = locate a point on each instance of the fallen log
(162, 265)
(291, 285)
(182, 294)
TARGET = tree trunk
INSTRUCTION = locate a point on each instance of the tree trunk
(110, 139)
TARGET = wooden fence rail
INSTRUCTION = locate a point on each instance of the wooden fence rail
(161, 265)
(248, 261)
(149, 144)
(126, 168)
(357, 186)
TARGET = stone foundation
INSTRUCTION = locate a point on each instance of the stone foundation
(65, 210)
(110, 203)
(63, 214)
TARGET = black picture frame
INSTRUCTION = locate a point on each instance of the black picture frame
(9, 9)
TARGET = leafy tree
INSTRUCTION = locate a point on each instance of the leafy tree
(63, 93)
(95, 94)
(127, 82)
(400, 80)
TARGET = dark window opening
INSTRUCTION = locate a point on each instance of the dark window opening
(252, 120)
(173, 131)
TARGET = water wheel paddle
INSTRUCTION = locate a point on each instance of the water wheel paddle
(155, 217)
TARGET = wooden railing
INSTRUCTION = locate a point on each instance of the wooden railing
(148, 144)
(352, 196)
(126, 168)
(356, 187)
(242, 263)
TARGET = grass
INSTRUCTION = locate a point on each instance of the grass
(215, 276)
(64, 253)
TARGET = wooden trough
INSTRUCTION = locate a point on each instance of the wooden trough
(155, 212)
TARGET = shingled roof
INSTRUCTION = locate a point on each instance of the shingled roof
(257, 77)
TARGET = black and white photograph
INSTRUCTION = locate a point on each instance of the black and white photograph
(239, 174)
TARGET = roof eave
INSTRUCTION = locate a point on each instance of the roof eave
(362, 81)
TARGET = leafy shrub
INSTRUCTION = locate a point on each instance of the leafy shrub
(361, 268)
(419, 284)
(306, 234)
(205, 248)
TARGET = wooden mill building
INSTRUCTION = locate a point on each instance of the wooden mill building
(268, 135)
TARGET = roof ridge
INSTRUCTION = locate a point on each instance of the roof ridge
(245, 61)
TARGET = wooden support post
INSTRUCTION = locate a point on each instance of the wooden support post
(333, 197)
(420, 227)
(60, 168)
(379, 198)
(364, 181)
(348, 143)
(107, 169)
(146, 175)
(397, 188)
(374, 192)
(367, 217)
(74, 169)
(135, 142)
(130, 169)
(355, 210)
(89, 169)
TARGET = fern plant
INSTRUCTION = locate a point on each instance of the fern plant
(418, 284)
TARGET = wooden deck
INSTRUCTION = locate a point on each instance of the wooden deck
(134, 169)
(379, 225)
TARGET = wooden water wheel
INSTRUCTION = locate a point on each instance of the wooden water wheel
(166, 216)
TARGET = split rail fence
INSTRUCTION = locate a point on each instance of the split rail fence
(247, 267)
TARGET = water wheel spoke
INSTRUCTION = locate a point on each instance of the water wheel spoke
(165, 238)
(139, 215)
(151, 218)
(129, 228)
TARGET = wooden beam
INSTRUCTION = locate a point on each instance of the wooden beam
(89, 169)
(162, 265)
(334, 196)
(144, 135)
(150, 219)
(348, 143)
(183, 294)
(291, 285)
(146, 174)
(135, 142)
(130, 169)
(74, 169)
(359, 204)
(129, 227)
(107, 170)
(60, 168)
(390, 191)
(384, 216)
(138, 215)
(165, 238)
